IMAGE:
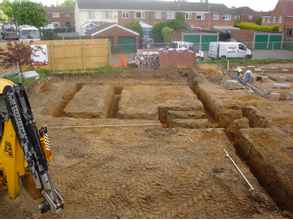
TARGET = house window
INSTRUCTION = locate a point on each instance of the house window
(91, 15)
(55, 15)
(158, 14)
(216, 17)
(125, 14)
(280, 20)
(170, 15)
(139, 14)
(108, 15)
(250, 17)
(200, 17)
(227, 17)
(274, 19)
(188, 16)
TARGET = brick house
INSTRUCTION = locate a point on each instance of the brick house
(197, 15)
(283, 16)
(246, 14)
(61, 17)
(122, 39)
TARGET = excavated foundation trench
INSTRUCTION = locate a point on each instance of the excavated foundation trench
(134, 170)
(238, 122)
(251, 135)
(114, 105)
(67, 97)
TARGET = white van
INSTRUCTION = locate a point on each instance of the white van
(27, 32)
(229, 50)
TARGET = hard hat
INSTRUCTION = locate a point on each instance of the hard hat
(238, 69)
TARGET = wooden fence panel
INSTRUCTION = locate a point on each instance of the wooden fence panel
(77, 54)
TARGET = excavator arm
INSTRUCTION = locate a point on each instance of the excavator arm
(24, 152)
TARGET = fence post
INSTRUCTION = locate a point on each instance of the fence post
(109, 45)
(253, 42)
(269, 40)
(51, 51)
(82, 54)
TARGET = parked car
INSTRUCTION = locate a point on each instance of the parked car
(228, 50)
(9, 32)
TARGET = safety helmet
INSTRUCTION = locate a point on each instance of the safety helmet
(238, 69)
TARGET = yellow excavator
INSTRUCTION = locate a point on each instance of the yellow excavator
(24, 150)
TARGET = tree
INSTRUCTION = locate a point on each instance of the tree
(6, 8)
(178, 23)
(16, 54)
(167, 34)
(3, 16)
(157, 31)
(135, 26)
(68, 3)
(30, 13)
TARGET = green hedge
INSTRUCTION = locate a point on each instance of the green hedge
(256, 27)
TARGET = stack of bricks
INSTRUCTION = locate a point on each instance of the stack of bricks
(176, 58)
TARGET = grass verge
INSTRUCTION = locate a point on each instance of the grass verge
(248, 61)
(103, 70)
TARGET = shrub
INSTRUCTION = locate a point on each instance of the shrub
(237, 23)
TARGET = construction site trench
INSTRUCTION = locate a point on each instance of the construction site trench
(152, 145)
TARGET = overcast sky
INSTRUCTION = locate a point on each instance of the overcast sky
(261, 5)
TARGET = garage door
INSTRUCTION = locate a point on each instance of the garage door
(275, 42)
(206, 39)
(268, 41)
(192, 38)
(261, 41)
(125, 45)
(201, 40)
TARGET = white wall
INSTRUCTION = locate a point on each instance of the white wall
(83, 16)
(76, 14)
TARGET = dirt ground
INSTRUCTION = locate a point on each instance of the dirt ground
(107, 165)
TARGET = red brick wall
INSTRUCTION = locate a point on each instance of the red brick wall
(245, 36)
